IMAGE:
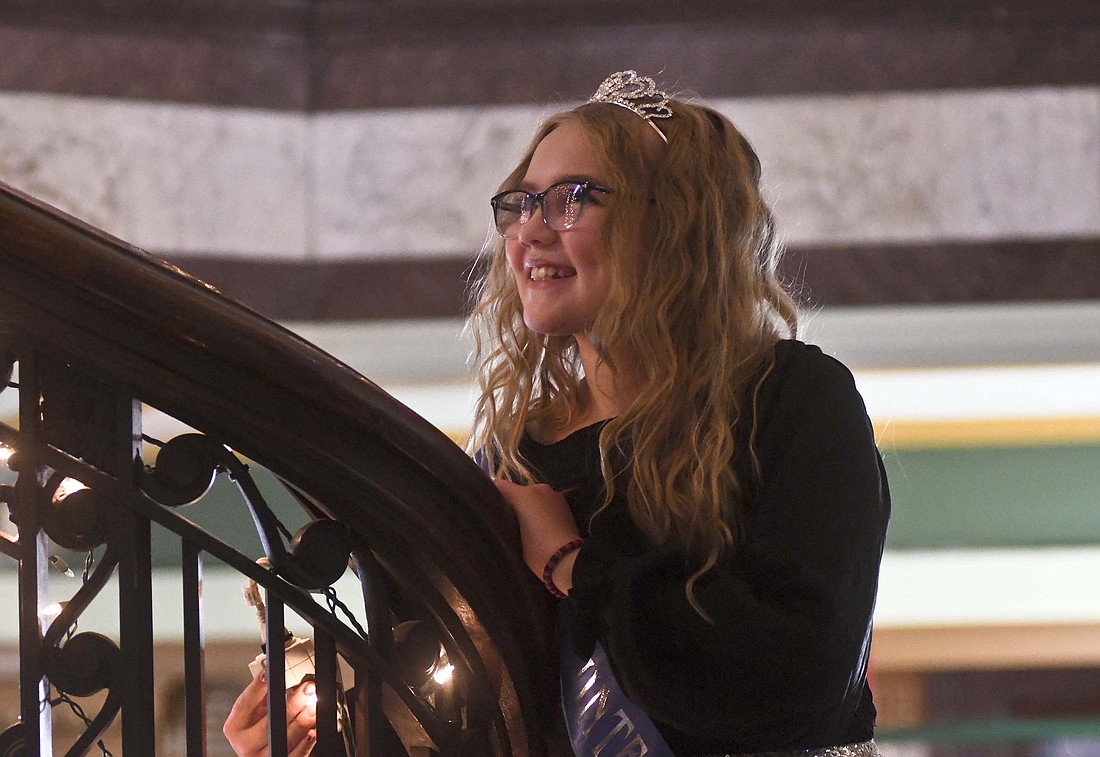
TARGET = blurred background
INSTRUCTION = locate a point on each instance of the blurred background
(935, 167)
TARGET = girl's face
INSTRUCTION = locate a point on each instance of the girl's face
(562, 276)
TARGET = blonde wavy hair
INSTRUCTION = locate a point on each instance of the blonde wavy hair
(700, 307)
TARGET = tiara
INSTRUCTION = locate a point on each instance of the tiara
(637, 93)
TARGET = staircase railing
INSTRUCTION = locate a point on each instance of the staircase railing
(93, 333)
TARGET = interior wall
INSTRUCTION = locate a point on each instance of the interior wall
(917, 153)
(935, 168)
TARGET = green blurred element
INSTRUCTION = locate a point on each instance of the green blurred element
(942, 498)
(994, 497)
(994, 731)
(225, 513)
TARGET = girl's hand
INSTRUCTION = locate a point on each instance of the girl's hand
(545, 524)
(246, 726)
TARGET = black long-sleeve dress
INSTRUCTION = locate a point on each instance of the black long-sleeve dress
(784, 665)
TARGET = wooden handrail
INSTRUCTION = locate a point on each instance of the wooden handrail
(360, 456)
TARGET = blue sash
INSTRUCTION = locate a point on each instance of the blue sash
(601, 721)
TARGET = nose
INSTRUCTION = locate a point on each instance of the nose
(535, 231)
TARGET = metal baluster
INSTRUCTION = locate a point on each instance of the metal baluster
(135, 584)
(276, 677)
(193, 650)
(328, 740)
(33, 578)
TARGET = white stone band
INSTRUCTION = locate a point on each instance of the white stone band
(864, 169)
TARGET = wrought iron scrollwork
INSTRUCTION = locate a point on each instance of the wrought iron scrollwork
(13, 741)
(75, 516)
(184, 472)
(84, 665)
(429, 679)
(318, 555)
(429, 667)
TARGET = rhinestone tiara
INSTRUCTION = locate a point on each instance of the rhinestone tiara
(637, 93)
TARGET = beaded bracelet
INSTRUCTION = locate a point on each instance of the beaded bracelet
(548, 571)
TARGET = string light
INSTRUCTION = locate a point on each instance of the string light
(442, 676)
(66, 487)
(51, 611)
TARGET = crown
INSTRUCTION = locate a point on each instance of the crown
(637, 93)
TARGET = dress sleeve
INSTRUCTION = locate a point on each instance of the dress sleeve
(791, 606)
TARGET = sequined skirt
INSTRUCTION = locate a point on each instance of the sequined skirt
(862, 749)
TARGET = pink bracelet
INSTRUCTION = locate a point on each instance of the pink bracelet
(548, 571)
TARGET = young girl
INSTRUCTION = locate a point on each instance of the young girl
(702, 492)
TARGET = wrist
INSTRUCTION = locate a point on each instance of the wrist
(557, 575)
(563, 572)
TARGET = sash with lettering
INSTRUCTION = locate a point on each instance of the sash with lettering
(602, 722)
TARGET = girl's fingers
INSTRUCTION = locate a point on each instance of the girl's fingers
(305, 746)
(302, 698)
(302, 723)
(301, 712)
(248, 741)
(255, 693)
(245, 728)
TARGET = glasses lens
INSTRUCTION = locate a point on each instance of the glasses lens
(509, 211)
(562, 205)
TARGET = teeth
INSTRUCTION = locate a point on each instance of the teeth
(547, 272)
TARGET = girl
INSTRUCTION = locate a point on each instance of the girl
(702, 492)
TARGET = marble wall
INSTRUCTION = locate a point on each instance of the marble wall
(170, 178)
(413, 183)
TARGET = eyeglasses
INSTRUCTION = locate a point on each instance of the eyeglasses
(561, 205)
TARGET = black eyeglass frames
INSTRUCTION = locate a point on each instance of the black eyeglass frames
(561, 204)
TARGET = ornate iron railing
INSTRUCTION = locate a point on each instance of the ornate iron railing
(91, 332)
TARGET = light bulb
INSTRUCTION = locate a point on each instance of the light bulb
(66, 487)
(51, 611)
(442, 676)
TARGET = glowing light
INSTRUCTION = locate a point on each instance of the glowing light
(66, 487)
(5, 453)
(444, 674)
(49, 612)
(311, 699)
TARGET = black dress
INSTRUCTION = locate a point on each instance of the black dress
(784, 665)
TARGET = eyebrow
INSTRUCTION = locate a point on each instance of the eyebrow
(528, 186)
